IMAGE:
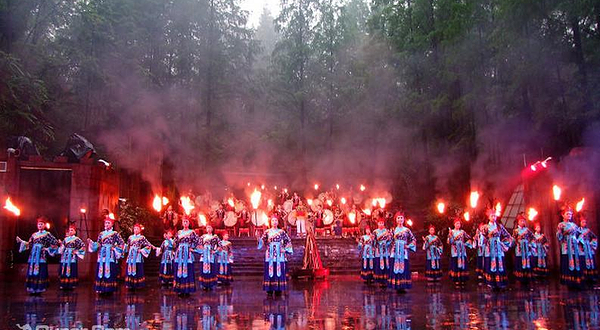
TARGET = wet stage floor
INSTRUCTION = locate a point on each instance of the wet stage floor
(339, 303)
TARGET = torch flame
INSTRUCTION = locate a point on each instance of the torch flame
(329, 202)
(82, 210)
(374, 202)
(467, 216)
(285, 190)
(187, 204)
(202, 219)
(157, 203)
(47, 225)
(474, 198)
(309, 201)
(579, 205)
(230, 202)
(10, 207)
(556, 192)
(367, 212)
(111, 216)
(337, 186)
(270, 203)
(498, 209)
(352, 217)
(255, 198)
(343, 200)
(165, 201)
(409, 222)
(531, 214)
(262, 187)
(316, 186)
(441, 207)
(362, 188)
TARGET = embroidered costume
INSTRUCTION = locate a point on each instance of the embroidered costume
(403, 242)
(367, 254)
(165, 274)
(433, 248)
(185, 242)
(224, 261)
(459, 241)
(42, 244)
(277, 244)
(137, 249)
(110, 249)
(71, 249)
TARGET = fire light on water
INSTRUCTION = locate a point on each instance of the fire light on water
(157, 203)
(187, 204)
(441, 207)
(467, 216)
(498, 209)
(255, 198)
(532, 213)
(579, 205)
(473, 199)
(12, 208)
(556, 192)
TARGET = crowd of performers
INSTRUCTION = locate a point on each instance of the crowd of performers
(385, 253)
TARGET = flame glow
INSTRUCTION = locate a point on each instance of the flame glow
(165, 201)
(316, 186)
(47, 225)
(473, 199)
(352, 217)
(343, 200)
(362, 188)
(579, 205)
(441, 207)
(111, 216)
(337, 186)
(309, 201)
(329, 202)
(82, 210)
(157, 203)
(467, 216)
(187, 204)
(230, 202)
(409, 222)
(531, 214)
(202, 219)
(255, 198)
(498, 209)
(374, 202)
(556, 192)
(367, 212)
(10, 207)
(270, 203)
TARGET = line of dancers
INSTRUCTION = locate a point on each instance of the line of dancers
(385, 253)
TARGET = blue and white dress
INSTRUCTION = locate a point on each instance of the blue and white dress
(498, 241)
(137, 249)
(72, 248)
(209, 243)
(110, 250)
(403, 242)
(589, 244)
(366, 251)
(524, 247)
(480, 241)
(433, 249)
(165, 274)
(381, 272)
(42, 244)
(224, 261)
(459, 241)
(186, 242)
(540, 254)
(277, 244)
(571, 272)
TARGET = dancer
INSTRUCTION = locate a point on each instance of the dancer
(433, 246)
(185, 242)
(225, 259)
(165, 274)
(540, 252)
(403, 242)
(459, 241)
(137, 248)
(589, 244)
(383, 238)
(498, 241)
(71, 248)
(209, 243)
(42, 244)
(365, 248)
(480, 241)
(523, 237)
(110, 250)
(278, 245)
(571, 273)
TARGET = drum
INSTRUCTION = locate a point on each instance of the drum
(230, 219)
(262, 220)
(316, 205)
(288, 206)
(327, 217)
(291, 218)
(214, 205)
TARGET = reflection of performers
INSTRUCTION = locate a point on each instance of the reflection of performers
(589, 244)
(523, 238)
(459, 241)
(165, 274)
(110, 249)
(209, 244)
(275, 312)
(366, 245)
(540, 252)
(568, 237)
(383, 239)
(186, 241)
(71, 249)
(403, 242)
(224, 260)
(433, 247)
(137, 248)
(41, 243)
(278, 245)
(498, 240)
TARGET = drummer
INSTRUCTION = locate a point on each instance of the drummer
(281, 214)
(219, 218)
(244, 220)
(318, 216)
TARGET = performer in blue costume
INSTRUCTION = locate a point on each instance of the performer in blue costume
(137, 248)
(589, 245)
(209, 244)
(433, 247)
(367, 253)
(225, 259)
(540, 252)
(71, 249)
(42, 244)
(459, 241)
(479, 242)
(498, 241)
(524, 247)
(383, 238)
(403, 241)
(165, 274)
(567, 233)
(186, 241)
(110, 250)
(278, 245)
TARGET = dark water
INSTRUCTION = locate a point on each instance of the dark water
(339, 303)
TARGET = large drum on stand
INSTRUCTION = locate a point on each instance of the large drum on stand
(291, 218)
(327, 217)
(230, 219)
(259, 218)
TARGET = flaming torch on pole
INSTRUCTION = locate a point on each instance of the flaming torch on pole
(579, 205)
(441, 207)
(12, 208)
(157, 203)
(532, 214)
(255, 201)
